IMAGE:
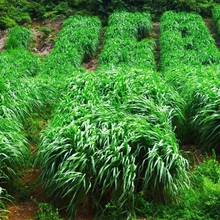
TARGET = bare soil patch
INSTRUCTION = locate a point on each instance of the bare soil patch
(45, 34)
(25, 209)
(3, 37)
(156, 29)
(211, 26)
(22, 211)
(155, 34)
(91, 65)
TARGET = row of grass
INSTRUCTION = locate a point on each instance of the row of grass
(199, 88)
(124, 45)
(78, 40)
(112, 135)
(216, 17)
(13, 150)
(22, 93)
(106, 143)
(25, 92)
(185, 39)
(16, 63)
(196, 83)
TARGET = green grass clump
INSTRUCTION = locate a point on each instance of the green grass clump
(18, 37)
(19, 99)
(135, 24)
(18, 63)
(190, 61)
(4, 197)
(185, 39)
(107, 156)
(111, 137)
(13, 150)
(78, 40)
(199, 88)
(216, 17)
(123, 46)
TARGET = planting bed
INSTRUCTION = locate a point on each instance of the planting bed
(109, 139)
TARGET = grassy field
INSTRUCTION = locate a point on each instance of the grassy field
(123, 141)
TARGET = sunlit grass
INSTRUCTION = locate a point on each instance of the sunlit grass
(185, 39)
(112, 136)
(122, 45)
(77, 40)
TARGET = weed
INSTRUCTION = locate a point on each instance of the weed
(46, 211)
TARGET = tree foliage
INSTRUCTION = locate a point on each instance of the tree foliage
(24, 11)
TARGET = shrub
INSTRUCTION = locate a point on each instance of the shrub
(46, 211)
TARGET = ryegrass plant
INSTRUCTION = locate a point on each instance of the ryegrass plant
(199, 88)
(13, 150)
(14, 106)
(18, 37)
(18, 100)
(132, 24)
(216, 17)
(78, 40)
(127, 52)
(107, 156)
(18, 63)
(21, 95)
(189, 41)
(111, 136)
(122, 47)
(187, 49)
(3, 198)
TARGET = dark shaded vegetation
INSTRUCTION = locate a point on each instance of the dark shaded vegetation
(24, 12)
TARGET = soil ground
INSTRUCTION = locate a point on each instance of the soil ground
(3, 37)
(211, 26)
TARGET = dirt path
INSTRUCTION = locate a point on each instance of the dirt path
(155, 34)
(22, 211)
(23, 207)
(92, 63)
(45, 34)
(3, 37)
(211, 26)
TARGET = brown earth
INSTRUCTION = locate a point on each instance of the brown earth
(45, 34)
(211, 26)
(27, 208)
(91, 65)
(22, 211)
(3, 37)
(155, 33)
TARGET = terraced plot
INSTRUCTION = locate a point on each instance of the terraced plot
(114, 133)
